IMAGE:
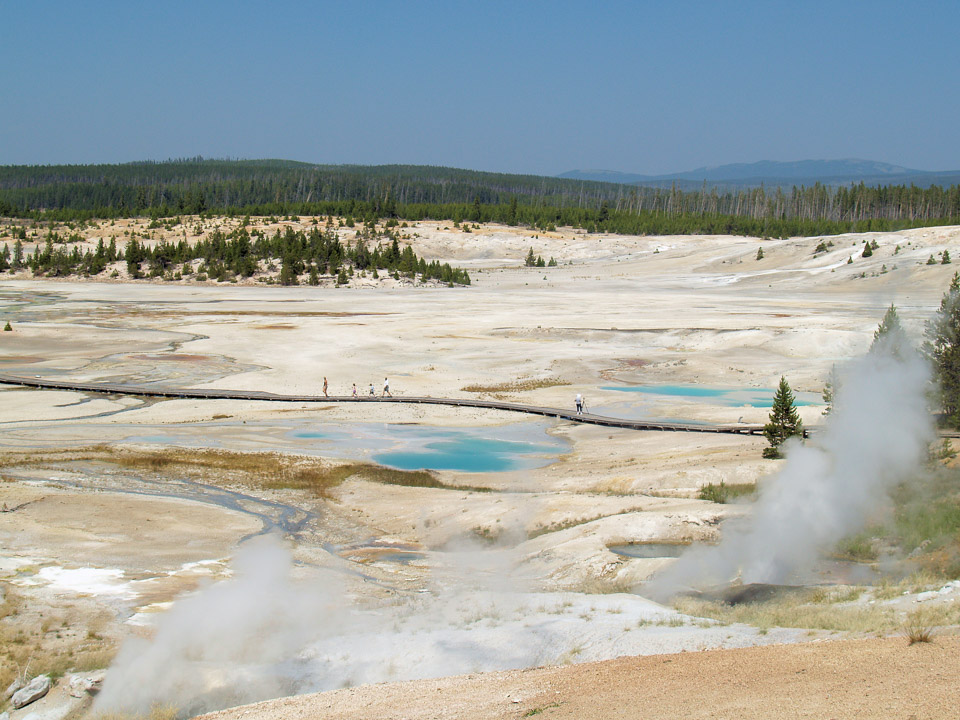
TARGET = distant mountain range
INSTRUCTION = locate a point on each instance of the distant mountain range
(786, 174)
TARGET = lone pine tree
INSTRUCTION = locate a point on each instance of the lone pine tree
(889, 335)
(942, 348)
(829, 390)
(784, 421)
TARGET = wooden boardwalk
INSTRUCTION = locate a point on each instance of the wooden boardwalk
(204, 394)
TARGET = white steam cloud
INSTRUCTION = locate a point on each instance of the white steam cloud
(875, 437)
(263, 634)
(231, 642)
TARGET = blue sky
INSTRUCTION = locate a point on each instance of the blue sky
(538, 87)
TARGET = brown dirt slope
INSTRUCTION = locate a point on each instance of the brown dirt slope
(872, 678)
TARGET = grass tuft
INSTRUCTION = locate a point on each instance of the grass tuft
(918, 626)
(794, 613)
(516, 386)
(723, 492)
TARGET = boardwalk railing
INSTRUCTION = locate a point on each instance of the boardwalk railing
(211, 394)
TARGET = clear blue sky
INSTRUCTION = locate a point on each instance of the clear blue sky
(539, 87)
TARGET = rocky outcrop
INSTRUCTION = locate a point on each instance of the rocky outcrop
(34, 690)
(83, 685)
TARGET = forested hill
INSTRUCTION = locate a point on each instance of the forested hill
(220, 184)
(773, 174)
(280, 187)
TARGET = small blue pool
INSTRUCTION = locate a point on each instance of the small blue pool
(468, 453)
(517, 446)
(729, 397)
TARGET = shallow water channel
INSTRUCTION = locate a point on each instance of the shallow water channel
(649, 550)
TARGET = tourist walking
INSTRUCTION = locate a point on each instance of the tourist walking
(354, 389)
(373, 393)
(579, 404)
(386, 388)
(325, 387)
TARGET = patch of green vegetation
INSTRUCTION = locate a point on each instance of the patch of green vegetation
(537, 711)
(924, 525)
(861, 546)
(926, 520)
(723, 493)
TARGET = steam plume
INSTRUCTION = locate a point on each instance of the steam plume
(875, 437)
(261, 634)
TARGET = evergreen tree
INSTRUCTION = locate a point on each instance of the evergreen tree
(760, 253)
(890, 335)
(133, 255)
(942, 347)
(531, 259)
(512, 211)
(946, 258)
(288, 275)
(784, 421)
(830, 389)
(867, 250)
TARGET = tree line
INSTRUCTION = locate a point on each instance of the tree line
(237, 188)
(238, 254)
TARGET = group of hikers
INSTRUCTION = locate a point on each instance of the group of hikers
(578, 401)
(355, 393)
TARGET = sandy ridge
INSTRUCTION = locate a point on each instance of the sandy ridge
(863, 678)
